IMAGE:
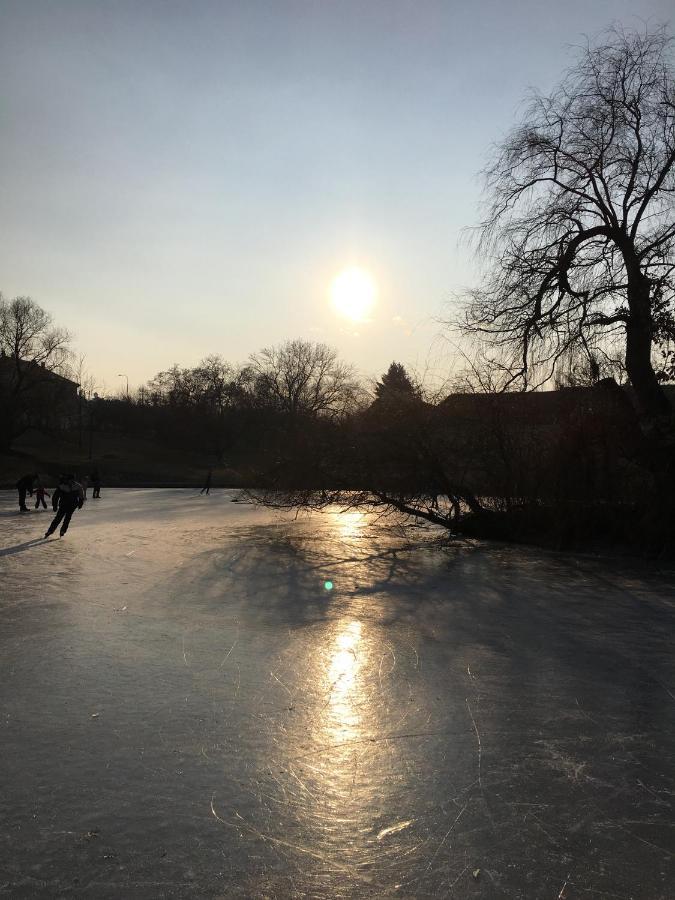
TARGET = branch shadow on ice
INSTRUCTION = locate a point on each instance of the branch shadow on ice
(19, 548)
(530, 607)
(299, 573)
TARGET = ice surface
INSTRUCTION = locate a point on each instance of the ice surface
(187, 711)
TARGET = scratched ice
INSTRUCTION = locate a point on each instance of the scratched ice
(206, 699)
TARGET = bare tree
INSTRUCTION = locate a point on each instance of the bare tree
(304, 378)
(481, 373)
(214, 378)
(32, 350)
(579, 227)
(27, 335)
(86, 380)
(586, 368)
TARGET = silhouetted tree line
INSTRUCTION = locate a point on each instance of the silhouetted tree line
(570, 467)
(239, 416)
(297, 428)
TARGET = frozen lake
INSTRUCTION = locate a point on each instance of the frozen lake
(188, 711)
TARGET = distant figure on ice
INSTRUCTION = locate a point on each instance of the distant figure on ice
(85, 485)
(25, 485)
(207, 486)
(96, 484)
(40, 493)
(68, 497)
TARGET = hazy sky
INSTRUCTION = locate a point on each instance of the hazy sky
(185, 178)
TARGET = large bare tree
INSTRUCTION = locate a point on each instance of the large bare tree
(305, 378)
(579, 228)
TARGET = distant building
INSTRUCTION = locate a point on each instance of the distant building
(571, 442)
(35, 395)
(605, 399)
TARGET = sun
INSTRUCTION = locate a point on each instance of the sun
(353, 293)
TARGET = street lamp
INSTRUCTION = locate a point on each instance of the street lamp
(122, 375)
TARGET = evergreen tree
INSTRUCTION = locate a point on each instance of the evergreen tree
(396, 384)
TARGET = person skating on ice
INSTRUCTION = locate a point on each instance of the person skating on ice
(68, 497)
(40, 493)
(25, 486)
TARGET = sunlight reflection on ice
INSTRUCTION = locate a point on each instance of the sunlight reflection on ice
(349, 523)
(344, 666)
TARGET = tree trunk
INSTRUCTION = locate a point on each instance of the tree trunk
(651, 400)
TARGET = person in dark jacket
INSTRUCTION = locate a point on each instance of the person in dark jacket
(25, 486)
(68, 497)
(96, 483)
(207, 484)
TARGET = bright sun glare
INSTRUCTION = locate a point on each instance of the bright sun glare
(353, 293)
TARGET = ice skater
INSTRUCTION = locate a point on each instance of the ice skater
(40, 493)
(68, 497)
(207, 485)
(96, 484)
(25, 486)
